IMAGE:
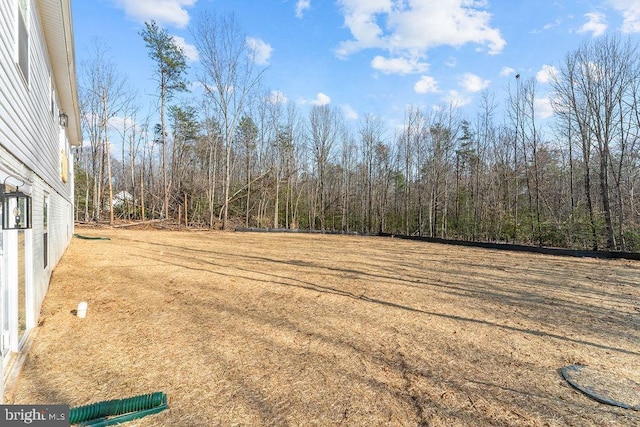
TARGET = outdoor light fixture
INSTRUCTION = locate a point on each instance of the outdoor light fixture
(16, 210)
(64, 119)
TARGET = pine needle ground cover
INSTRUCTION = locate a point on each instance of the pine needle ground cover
(325, 330)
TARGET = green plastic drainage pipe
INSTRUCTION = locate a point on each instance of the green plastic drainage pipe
(97, 414)
(79, 236)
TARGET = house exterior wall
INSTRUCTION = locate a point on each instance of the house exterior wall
(29, 126)
(34, 147)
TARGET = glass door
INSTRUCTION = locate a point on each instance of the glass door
(15, 290)
(4, 300)
(21, 285)
(7, 310)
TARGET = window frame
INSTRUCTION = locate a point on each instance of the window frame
(22, 39)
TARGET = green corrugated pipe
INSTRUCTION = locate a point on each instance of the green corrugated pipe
(96, 414)
(79, 236)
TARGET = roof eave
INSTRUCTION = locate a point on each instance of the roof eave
(58, 32)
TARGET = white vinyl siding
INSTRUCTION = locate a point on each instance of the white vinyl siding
(28, 130)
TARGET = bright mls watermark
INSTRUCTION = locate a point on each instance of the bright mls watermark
(34, 415)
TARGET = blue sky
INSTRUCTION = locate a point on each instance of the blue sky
(370, 56)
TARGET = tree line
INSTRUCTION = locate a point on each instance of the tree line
(244, 156)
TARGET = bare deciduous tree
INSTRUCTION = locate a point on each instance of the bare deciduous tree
(593, 87)
(229, 77)
(324, 129)
(102, 95)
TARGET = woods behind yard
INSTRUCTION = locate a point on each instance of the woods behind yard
(506, 173)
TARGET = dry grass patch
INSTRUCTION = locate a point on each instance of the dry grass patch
(292, 329)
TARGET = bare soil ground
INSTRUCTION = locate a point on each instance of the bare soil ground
(323, 330)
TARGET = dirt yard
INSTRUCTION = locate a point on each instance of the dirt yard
(322, 330)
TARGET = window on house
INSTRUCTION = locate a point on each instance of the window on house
(52, 97)
(23, 40)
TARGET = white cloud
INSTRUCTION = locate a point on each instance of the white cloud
(165, 12)
(196, 86)
(426, 84)
(360, 18)
(412, 27)
(451, 62)
(473, 83)
(457, 99)
(593, 70)
(506, 71)
(277, 97)
(301, 6)
(349, 112)
(321, 99)
(120, 123)
(543, 108)
(399, 65)
(596, 24)
(546, 73)
(190, 51)
(553, 24)
(261, 50)
(630, 10)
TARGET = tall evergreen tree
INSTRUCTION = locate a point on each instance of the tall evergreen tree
(170, 67)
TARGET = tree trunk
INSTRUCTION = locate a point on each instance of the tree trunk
(164, 151)
(143, 214)
(604, 193)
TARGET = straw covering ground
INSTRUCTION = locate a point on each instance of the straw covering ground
(322, 330)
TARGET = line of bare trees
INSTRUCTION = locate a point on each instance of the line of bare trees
(244, 156)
